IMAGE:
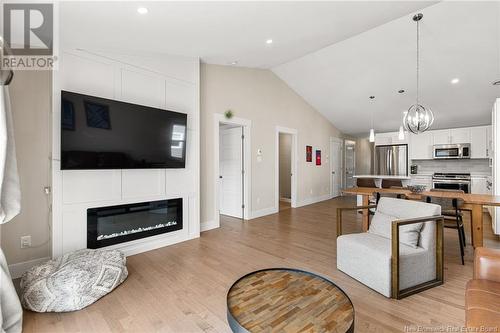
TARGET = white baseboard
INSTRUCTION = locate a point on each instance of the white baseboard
(17, 270)
(263, 212)
(313, 200)
(208, 225)
(286, 199)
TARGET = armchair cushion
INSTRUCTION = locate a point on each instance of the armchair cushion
(382, 225)
(390, 209)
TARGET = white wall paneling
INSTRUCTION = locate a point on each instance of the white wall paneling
(91, 185)
(168, 82)
(143, 183)
(142, 88)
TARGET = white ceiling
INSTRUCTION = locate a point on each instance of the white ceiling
(223, 32)
(458, 40)
(334, 54)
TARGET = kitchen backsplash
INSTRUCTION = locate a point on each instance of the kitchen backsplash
(473, 166)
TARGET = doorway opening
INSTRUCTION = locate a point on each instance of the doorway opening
(232, 167)
(350, 163)
(286, 166)
(285, 171)
(336, 147)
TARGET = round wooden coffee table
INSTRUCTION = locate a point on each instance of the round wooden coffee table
(288, 300)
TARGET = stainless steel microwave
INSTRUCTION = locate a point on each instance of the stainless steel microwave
(458, 150)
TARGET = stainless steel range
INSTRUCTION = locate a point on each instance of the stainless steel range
(451, 181)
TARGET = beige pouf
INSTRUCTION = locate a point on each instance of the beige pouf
(73, 281)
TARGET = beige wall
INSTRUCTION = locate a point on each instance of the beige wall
(30, 93)
(285, 165)
(364, 157)
(254, 94)
(260, 96)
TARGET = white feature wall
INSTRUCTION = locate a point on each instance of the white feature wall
(170, 83)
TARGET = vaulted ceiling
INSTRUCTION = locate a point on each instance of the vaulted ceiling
(334, 54)
(224, 32)
(459, 40)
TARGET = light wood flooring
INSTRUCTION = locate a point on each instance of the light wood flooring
(182, 288)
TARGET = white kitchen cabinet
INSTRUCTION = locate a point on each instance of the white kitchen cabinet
(449, 136)
(460, 135)
(382, 139)
(421, 146)
(390, 138)
(425, 180)
(479, 142)
(479, 185)
(440, 137)
(489, 142)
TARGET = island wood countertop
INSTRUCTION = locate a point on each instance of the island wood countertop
(468, 198)
(471, 202)
(381, 177)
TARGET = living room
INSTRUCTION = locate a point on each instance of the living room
(177, 154)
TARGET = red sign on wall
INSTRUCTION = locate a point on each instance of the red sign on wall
(318, 157)
(309, 153)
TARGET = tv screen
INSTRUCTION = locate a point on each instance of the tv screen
(98, 133)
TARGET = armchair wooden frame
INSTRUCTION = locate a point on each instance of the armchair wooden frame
(398, 294)
(396, 224)
(342, 209)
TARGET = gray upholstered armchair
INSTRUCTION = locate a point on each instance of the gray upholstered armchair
(402, 252)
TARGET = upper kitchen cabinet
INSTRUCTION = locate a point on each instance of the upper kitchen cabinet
(441, 137)
(391, 138)
(451, 136)
(460, 135)
(421, 146)
(480, 141)
(382, 139)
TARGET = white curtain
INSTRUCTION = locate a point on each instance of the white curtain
(10, 193)
(11, 313)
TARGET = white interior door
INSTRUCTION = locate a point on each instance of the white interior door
(230, 165)
(336, 160)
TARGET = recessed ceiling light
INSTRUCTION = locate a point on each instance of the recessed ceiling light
(269, 41)
(455, 81)
(234, 63)
(142, 10)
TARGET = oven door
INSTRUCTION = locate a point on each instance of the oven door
(451, 185)
(446, 151)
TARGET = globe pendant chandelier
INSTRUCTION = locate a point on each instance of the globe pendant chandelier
(418, 118)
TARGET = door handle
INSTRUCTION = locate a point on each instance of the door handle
(220, 177)
(333, 172)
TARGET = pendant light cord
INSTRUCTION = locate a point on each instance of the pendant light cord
(418, 60)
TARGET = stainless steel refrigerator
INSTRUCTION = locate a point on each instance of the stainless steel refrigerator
(391, 160)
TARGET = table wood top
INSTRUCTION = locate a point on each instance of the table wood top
(468, 198)
(283, 300)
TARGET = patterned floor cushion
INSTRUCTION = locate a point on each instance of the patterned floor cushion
(73, 281)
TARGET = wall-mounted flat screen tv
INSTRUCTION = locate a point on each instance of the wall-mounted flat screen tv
(99, 133)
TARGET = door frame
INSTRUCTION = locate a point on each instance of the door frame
(341, 142)
(293, 190)
(247, 129)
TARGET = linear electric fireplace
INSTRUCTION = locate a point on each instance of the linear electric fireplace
(117, 224)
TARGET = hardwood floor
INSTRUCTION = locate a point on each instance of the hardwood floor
(182, 288)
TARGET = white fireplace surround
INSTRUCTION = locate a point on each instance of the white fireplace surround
(166, 82)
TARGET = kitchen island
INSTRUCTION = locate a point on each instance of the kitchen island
(405, 180)
(471, 202)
